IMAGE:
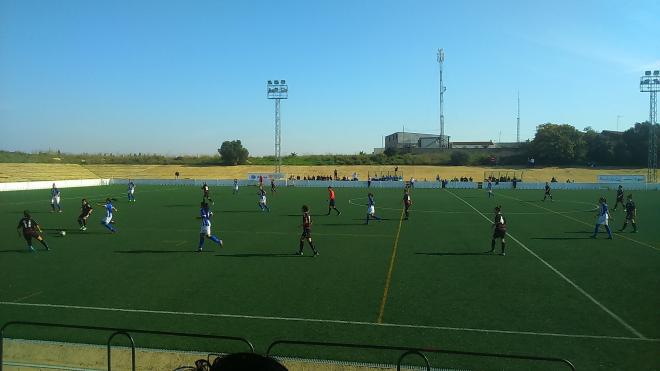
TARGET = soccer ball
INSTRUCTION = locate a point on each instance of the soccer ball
(62, 233)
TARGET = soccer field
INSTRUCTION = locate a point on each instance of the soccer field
(424, 282)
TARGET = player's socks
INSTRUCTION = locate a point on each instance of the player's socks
(216, 240)
(31, 248)
(609, 231)
(338, 212)
(596, 230)
(201, 242)
(625, 224)
(634, 227)
(107, 225)
(492, 245)
(503, 247)
(329, 211)
(300, 250)
(43, 242)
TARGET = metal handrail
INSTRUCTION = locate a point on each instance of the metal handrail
(421, 351)
(115, 331)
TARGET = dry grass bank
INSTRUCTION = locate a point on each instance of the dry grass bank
(23, 172)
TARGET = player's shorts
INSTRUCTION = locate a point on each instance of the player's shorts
(107, 219)
(499, 233)
(131, 191)
(83, 216)
(547, 193)
(262, 200)
(332, 203)
(619, 199)
(602, 220)
(371, 210)
(630, 216)
(307, 233)
(205, 230)
(55, 200)
(30, 233)
(206, 194)
(407, 204)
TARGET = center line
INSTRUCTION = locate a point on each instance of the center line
(586, 294)
(388, 280)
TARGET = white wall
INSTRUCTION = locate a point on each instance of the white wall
(47, 184)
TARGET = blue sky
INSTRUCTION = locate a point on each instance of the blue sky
(180, 77)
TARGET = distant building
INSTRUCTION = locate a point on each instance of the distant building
(409, 141)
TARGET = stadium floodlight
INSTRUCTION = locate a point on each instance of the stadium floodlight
(277, 89)
(651, 86)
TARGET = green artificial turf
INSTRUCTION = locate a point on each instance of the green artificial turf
(557, 293)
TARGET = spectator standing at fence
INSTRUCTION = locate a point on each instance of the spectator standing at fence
(331, 201)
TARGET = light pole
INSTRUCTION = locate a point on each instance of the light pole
(441, 60)
(650, 83)
(277, 89)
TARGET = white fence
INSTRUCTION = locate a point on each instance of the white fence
(22, 186)
(47, 184)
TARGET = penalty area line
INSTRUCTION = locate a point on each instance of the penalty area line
(331, 321)
(568, 280)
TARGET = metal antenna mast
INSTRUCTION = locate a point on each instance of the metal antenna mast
(441, 59)
(650, 83)
(518, 121)
(277, 89)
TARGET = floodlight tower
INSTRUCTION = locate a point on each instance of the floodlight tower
(277, 89)
(650, 83)
(441, 60)
(518, 121)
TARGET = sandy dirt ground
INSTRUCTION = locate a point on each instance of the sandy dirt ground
(26, 172)
(25, 355)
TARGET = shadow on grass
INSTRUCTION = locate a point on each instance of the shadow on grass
(15, 251)
(183, 205)
(155, 251)
(561, 238)
(264, 255)
(454, 253)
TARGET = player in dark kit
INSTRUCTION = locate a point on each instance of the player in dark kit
(273, 187)
(30, 229)
(619, 198)
(547, 191)
(631, 214)
(331, 201)
(307, 232)
(85, 212)
(206, 196)
(500, 229)
(407, 201)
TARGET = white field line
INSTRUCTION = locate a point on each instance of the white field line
(333, 321)
(585, 223)
(568, 280)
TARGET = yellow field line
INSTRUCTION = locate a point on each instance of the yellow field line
(388, 280)
(582, 222)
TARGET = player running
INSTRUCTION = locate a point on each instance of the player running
(307, 232)
(331, 201)
(547, 192)
(107, 220)
(371, 208)
(206, 196)
(235, 189)
(407, 202)
(500, 230)
(30, 229)
(619, 198)
(273, 187)
(603, 218)
(131, 191)
(85, 212)
(631, 214)
(205, 232)
(489, 187)
(55, 199)
(262, 200)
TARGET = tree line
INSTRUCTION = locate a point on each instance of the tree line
(563, 144)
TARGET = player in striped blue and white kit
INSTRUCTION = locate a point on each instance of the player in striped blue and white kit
(205, 232)
(55, 199)
(489, 187)
(131, 191)
(371, 208)
(262, 200)
(107, 220)
(603, 218)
